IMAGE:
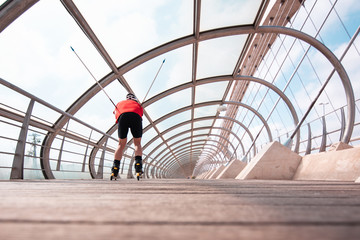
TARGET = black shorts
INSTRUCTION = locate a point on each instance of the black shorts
(130, 120)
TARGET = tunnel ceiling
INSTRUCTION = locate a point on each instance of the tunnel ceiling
(205, 46)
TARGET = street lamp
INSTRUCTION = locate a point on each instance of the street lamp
(323, 104)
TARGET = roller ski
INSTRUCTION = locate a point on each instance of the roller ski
(139, 175)
(138, 168)
(115, 170)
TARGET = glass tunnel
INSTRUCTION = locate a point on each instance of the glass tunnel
(218, 80)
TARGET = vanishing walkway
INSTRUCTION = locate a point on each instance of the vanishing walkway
(179, 209)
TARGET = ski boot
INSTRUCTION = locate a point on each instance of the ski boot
(138, 167)
(115, 170)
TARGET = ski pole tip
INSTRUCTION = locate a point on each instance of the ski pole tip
(72, 48)
(164, 60)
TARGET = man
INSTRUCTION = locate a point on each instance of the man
(128, 114)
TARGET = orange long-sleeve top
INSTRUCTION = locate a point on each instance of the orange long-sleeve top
(128, 106)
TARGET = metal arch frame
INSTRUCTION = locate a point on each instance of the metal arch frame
(282, 96)
(211, 34)
(186, 139)
(179, 134)
(241, 125)
(204, 81)
(180, 148)
(187, 166)
(196, 152)
(157, 173)
(213, 155)
(209, 134)
(317, 45)
(199, 119)
(12, 10)
(228, 31)
(208, 154)
(165, 163)
(256, 113)
(208, 151)
(184, 123)
(203, 128)
(174, 90)
(208, 104)
(187, 122)
(226, 78)
(172, 171)
(206, 165)
(260, 81)
(158, 168)
(153, 168)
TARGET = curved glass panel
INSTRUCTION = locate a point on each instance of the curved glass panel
(174, 120)
(129, 28)
(210, 92)
(177, 130)
(156, 76)
(228, 13)
(219, 56)
(205, 123)
(206, 111)
(169, 103)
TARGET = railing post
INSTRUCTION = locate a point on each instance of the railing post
(323, 139)
(343, 123)
(17, 171)
(308, 148)
(85, 154)
(61, 148)
(100, 172)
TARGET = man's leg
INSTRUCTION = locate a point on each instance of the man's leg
(117, 157)
(138, 148)
(120, 149)
(138, 155)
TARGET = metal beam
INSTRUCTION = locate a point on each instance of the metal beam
(11, 9)
(17, 170)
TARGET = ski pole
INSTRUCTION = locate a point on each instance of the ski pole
(154, 79)
(93, 76)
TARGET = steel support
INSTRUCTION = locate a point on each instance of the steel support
(17, 171)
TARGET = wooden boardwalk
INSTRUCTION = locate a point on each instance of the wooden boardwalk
(179, 209)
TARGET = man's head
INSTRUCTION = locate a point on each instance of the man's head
(131, 96)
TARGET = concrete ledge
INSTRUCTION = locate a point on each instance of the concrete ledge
(232, 170)
(339, 146)
(273, 162)
(217, 172)
(343, 165)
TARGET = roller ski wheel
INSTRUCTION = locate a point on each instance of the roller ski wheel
(112, 177)
(138, 175)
